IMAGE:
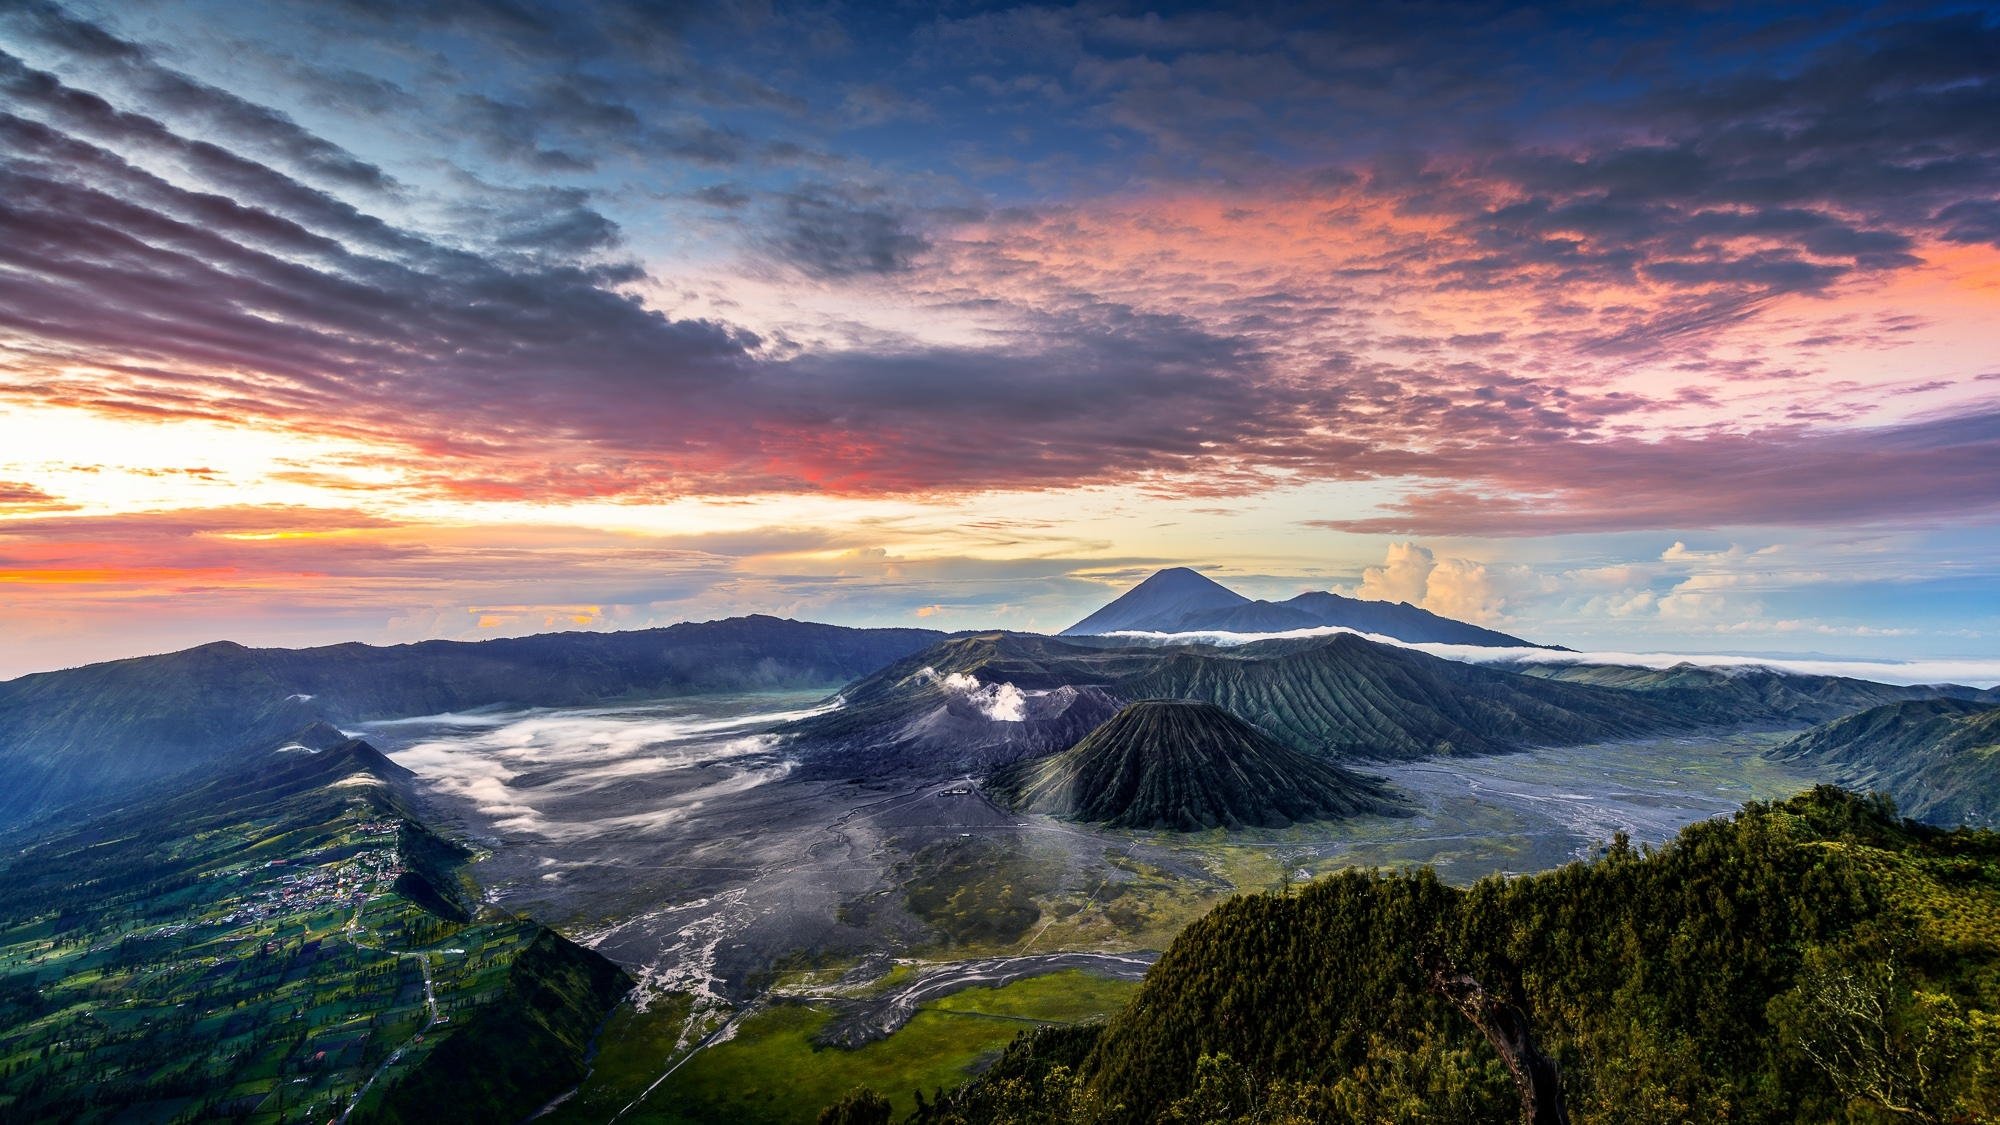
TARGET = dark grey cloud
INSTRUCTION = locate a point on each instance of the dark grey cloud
(203, 257)
(1910, 473)
(166, 90)
(574, 122)
(261, 297)
(1970, 220)
(85, 114)
(727, 196)
(840, 230)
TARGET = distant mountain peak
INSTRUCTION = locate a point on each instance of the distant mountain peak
(1171, 594)
(1182, 600)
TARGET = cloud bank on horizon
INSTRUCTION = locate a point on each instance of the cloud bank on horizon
(1969, 672)
(350, 319)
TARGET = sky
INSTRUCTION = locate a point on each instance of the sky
(1639, 328)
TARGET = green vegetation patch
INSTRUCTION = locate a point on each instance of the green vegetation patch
(976, 892)
(771, 1071)
(634, 1048)
(245, 952)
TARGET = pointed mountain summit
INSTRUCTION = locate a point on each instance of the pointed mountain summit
(1187, 766)
(1169, 596)
(1180, 600)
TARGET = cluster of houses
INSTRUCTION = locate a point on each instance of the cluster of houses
(306, 888)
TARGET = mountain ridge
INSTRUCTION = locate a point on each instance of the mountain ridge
(1338, 695)
(1938, 759)
(105, 729)
(214, 900)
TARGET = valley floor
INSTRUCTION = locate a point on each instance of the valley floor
(916, 923)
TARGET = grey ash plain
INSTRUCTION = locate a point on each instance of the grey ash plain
(678, 839)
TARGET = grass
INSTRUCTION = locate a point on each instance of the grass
(771, 1072)
(633, 1048)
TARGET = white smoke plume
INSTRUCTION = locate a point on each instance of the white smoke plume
(1001, 702)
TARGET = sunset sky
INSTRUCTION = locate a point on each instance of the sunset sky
(365, 320)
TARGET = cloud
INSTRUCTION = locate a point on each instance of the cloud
(266, 299)
(841, 230)
(1001, 702)
(1403, 577)
(1582, 326)
(1450, 587)
(482, 759)
(1466, 591)
(1913, 472)
(19, 497)
(210, 107)
(1969, 672)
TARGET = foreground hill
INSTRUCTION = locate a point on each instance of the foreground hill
(282, 941)
(1813, 960)
(1180, 600)
(106, 730)
(1339, 695)
(1187, 766)
(1939, 758)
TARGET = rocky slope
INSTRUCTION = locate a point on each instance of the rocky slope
(1187, 766)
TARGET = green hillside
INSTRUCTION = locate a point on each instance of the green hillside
(1814, 960)
(266, 947)
(1939, 758)
(1354, 698)
(1742, 695)
(1187, 766)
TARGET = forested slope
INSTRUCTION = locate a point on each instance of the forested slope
(1813, 960)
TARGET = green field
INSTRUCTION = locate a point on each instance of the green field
(772, 1071)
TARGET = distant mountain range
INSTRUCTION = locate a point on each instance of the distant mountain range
(1180, 600)
(977, 704)
(915, 701)
(104, 731)
(1188, 766)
